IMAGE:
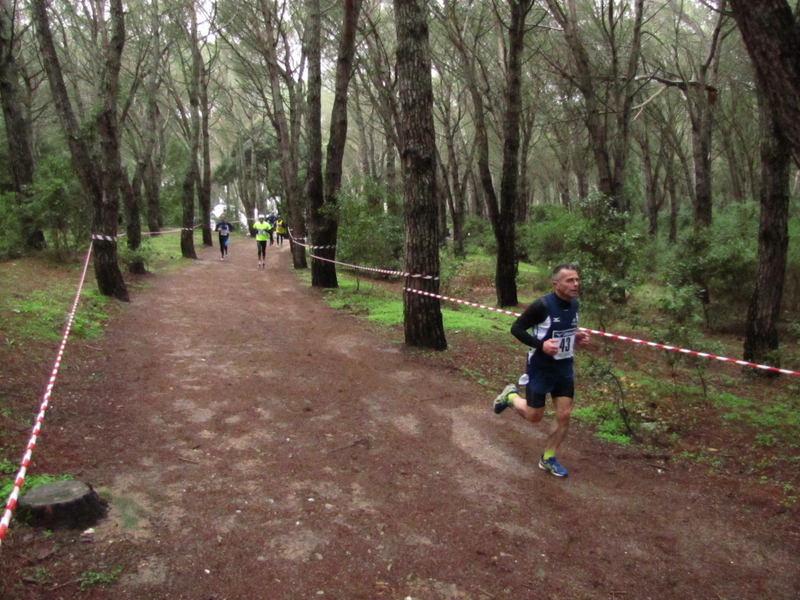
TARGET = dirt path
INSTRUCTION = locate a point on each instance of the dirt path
(256, 444)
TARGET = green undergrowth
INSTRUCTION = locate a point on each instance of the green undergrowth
(42, 314)
(384, 306)
(35, 302)
(160, 252)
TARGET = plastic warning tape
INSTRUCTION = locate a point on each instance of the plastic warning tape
(26, 459)
(622, 337)
(398, 273)
(384, 271)
(111, 238)
(299, 243)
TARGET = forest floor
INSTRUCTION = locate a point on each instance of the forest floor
(255, 443)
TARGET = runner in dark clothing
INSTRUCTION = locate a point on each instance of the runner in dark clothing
(224, 229)
(550, 327)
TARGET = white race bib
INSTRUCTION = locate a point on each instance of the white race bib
(566, 343)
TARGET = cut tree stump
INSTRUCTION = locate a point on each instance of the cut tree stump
(71, 504)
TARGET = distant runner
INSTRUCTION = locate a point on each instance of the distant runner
(280, 229)
(271, 220)
(553, 324)
(224, 228)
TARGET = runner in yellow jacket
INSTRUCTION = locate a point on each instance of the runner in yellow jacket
(262, 228)
(280, 229)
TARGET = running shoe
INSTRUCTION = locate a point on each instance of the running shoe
(501, 402)
(551, 464)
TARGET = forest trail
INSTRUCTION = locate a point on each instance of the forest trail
(257, 444)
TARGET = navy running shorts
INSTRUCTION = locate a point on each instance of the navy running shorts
(540, 383)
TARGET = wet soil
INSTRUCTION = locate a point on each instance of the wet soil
(254, 443)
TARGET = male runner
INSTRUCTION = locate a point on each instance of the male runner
(224, 228)
(553, 324)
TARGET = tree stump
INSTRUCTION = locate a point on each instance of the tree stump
(71, 504)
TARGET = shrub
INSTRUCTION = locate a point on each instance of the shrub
(544, 238)
(478, 235)
(368, 235)
(54, 205)
(145, 254)
(722, 259)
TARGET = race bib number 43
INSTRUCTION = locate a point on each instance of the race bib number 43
(566, 343)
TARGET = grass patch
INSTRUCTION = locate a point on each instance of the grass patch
(385, 306)
(90, 578)
(42, 314)
(605, 417)
(9, 469)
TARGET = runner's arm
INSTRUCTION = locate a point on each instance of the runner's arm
(536, 313)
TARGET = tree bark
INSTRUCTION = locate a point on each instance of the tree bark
(422, 314)
(18, 134)
(761, 337)
(187, 206)
(132, 201)
(772, 38)
(501, 212)
(504, 221)
(607, 109)
(204, 184)
(320, 269)
(327, 219)
(103, 191)
(192, 175)
(286, 137)
(154, 142)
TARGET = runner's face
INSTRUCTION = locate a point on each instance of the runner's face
(566, 284)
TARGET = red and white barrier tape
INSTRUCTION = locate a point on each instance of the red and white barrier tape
(397, 273)
(12, 500)
(385, 272)
(622, 337)
(111, 238)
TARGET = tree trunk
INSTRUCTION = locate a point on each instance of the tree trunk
(294, 206)
(422, 314)
(187, 206)
(701, 153)
(394, 206)
(154, 143)
(459, 190)
(104, 195)
(132, 201)
(17, 127)
(607, 107)
(674, 202)
(192, 176)
(504, 222)
(770, 34)
(761, 337)
(320, 269)
(325, 218)
(204, 186)
(525, 179)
